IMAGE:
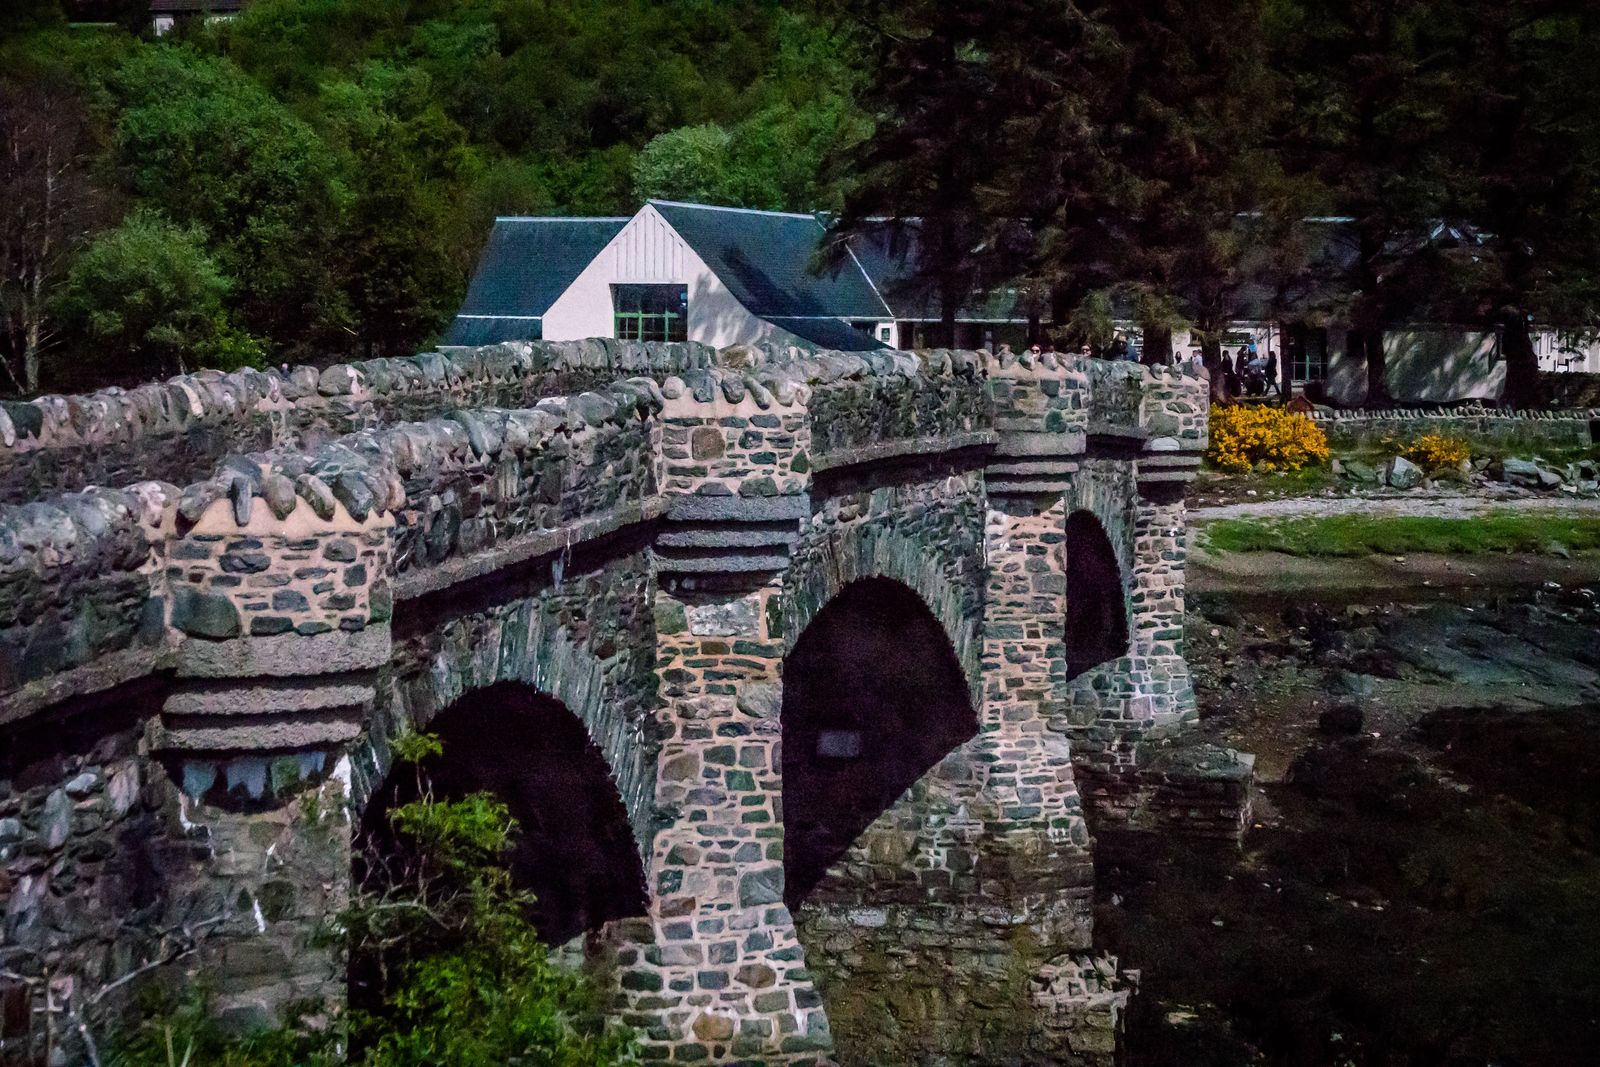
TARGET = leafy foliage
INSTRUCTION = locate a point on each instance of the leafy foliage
(1435, 452)
(150, 291)
(464, 978)
(1261, 437)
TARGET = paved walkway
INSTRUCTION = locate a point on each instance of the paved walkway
(1443, 505)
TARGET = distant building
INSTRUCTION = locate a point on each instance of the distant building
(724, 276)
(1425, 361)
(166, 14)
(719, 275)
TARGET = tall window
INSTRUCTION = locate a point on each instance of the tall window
(651, 312)
(1308, 353)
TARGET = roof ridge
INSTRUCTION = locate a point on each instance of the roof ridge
(741, 210)
(563, 218)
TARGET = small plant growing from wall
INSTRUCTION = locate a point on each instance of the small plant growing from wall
(1257, 437)
(460, 975)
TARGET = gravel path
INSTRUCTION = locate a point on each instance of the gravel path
(1443, 505)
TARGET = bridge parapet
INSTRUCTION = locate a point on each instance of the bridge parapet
(178, 430)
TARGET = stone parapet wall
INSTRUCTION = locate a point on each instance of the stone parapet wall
(180, 429)
(1562, 428)
(862, 401)
(1158, 402)
(1049, 394)
(78, 574)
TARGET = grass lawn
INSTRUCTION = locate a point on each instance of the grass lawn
(1361, 535)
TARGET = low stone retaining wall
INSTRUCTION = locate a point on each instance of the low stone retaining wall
(1515, 430)
(1195, 789)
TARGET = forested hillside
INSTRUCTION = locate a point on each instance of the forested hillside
(316, 177)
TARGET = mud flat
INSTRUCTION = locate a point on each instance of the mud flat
(1422, 885)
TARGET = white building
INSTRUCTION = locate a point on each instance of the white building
(718, 275)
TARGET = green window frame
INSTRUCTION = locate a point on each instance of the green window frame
(1308, 353)
(651, 312)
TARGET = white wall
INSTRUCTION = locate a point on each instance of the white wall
(1424, 364)
(649, 251)
(1265, 335)
(1442, 364)
(1555, 352)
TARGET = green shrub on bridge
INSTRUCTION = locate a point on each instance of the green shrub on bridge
(465, 979)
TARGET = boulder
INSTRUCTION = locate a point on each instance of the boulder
(1341, 720)
(1401, 473)
(1521, 472)
(1357, 471)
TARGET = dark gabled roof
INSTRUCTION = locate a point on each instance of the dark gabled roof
(208, 7)
(828, 333)
(475, 330)
(529, 262)
(765, 258)
(888, 257)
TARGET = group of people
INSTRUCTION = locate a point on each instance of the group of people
(1251, 373)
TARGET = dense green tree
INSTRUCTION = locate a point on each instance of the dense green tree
(151, 295)
(402, 161)
(692, 163)
(49, 197)
(941, 106)
(29, 16)
(1526, 136)
(1370, 84)
(198, 139)
(1093, 146)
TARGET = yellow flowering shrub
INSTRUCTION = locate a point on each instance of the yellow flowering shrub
(1257, 437)
(1437, 452)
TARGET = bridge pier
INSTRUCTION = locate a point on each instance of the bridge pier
(285, 623)
(716, 972)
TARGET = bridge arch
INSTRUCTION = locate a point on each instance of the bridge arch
(573, 847)
(1097, 595)
(522, 643)
(874, 698)
(944, 580)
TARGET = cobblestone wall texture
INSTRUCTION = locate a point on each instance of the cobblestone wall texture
(1560, 428)
(339, 555)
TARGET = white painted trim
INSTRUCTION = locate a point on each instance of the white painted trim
(563, 218)
(737, 210)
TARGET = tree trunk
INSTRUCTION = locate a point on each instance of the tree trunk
(1377, 369)
(1211, 355)
(1157, 350)
(1522, 364)
(30, 360)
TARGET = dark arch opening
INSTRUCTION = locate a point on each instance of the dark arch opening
(873, 698)
(1097, 617)
(573, 849)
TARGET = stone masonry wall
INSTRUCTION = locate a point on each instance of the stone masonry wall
(180, 429)
(716, 973)
(78, 576)
(645, 553)
(1511, 429)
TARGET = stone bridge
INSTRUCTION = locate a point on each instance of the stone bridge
(806, 676)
